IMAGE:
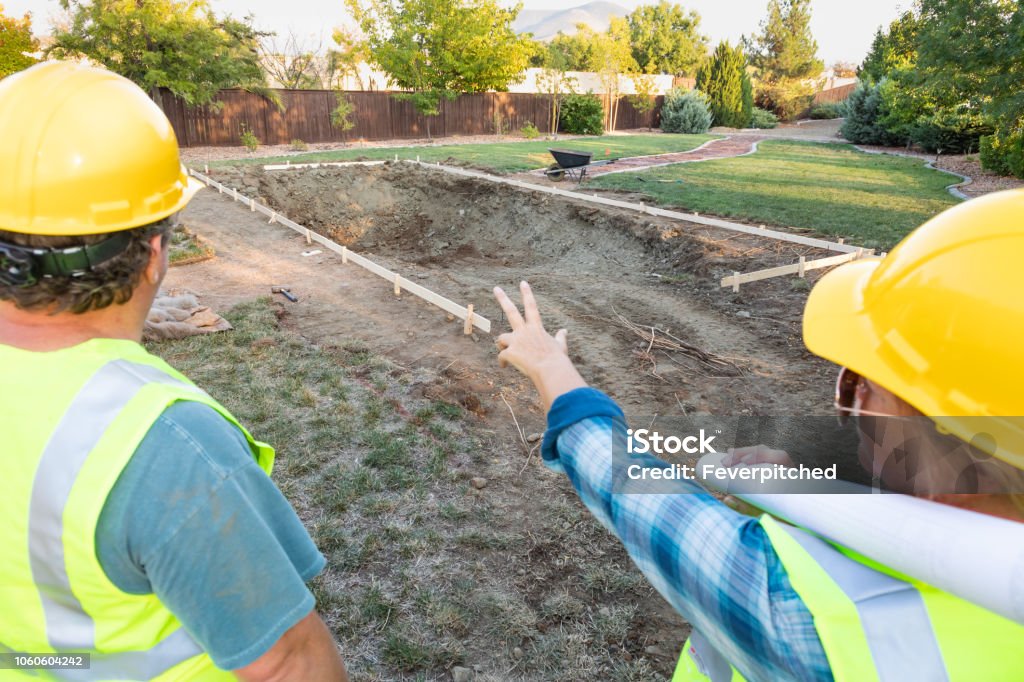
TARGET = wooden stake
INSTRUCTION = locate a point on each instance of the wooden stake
(840, 240)
(234, 193)
(344, 255)
(735, 281)
(468, 327)
(309, 236)
(252, 205)
(273, 218)
(206, 169)
(800, 272)
(398, 284)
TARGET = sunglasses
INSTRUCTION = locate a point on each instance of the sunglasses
(847, 384)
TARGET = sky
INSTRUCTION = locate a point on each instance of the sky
(843, 29)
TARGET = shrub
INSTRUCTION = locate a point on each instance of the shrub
(529, 130)
(341, 117)
(954, 130)
(299, 146)
(248, 137)
(500, 123)
(582, 115)
(828, 110)
(863, 111)
(762, 118)
(787, 98)
(1003, 152)
(993, 154)
(685, 111)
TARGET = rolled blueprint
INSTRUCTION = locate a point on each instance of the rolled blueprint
(977, 557)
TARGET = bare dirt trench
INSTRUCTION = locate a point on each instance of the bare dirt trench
(588, 266)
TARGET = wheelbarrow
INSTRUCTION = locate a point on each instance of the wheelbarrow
(572, 164)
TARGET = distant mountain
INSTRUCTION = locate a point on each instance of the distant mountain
(545, 24)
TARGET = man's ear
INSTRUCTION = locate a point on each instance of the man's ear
(156, 268)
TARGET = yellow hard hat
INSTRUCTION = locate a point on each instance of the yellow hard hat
(84, 151)
(939, 322)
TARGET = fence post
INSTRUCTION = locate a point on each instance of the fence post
(468, 327)
(800, 272)
(735, 281)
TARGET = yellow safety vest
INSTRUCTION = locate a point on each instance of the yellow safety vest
(875, 624)
(72, 420)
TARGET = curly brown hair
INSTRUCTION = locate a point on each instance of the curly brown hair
(111, 282)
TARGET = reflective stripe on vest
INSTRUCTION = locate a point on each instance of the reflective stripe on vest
(894, 629)
(68, 626)
(892, 614)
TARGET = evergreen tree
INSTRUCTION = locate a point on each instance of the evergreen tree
(785, 55)
(893, 49)
(721, 79)
(748, 98)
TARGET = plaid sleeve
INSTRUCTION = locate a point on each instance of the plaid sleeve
(715, 566)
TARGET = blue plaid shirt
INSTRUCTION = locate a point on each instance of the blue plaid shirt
(716, 566)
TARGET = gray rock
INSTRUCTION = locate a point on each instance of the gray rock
(460, 674)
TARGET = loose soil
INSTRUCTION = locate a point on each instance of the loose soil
(588, 266)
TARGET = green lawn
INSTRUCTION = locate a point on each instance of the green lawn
(504, 157)
(832, 189)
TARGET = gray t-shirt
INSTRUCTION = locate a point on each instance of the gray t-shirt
(195, 521)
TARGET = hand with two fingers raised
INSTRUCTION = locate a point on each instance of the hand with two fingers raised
(543, 358)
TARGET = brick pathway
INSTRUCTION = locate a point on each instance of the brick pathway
(722, 148)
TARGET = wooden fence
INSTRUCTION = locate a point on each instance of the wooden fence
(377, 116)
(835, 94)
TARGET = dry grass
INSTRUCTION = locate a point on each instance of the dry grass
(424, 572)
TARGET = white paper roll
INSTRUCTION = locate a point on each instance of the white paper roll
(977, 557)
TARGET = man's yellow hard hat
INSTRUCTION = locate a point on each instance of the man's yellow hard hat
(84, 151)
(939, 322)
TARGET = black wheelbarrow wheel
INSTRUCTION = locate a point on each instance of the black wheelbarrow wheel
(555, 172)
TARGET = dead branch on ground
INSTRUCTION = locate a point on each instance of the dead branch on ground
(660, 339)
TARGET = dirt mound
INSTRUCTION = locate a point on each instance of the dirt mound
(609, 275)
(431, 217)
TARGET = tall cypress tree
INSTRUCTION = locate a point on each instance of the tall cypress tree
(721, 79)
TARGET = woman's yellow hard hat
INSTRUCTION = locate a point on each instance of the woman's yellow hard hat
(84, 151)
(939, 322)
